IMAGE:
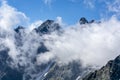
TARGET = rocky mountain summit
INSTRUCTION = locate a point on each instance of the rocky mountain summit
(83, 20)
(47, 27)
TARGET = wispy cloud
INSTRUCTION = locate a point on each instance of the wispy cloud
(34, 25)
(114, 6)
(9, 16)
(89, 3)
(48, 2)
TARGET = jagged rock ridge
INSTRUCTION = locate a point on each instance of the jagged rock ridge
(47, 27)
(111, 71)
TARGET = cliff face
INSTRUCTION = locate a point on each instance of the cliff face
(111, 71)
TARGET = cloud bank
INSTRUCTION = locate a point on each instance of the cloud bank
(93, 44)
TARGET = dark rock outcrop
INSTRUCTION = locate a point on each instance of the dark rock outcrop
(18, 29)
(83, 20)
(47, 27)
(7, 72)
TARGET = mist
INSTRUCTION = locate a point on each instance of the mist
(93, 44)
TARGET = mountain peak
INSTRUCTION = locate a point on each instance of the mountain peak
(48, 21)
(47, 27)
(83, 20)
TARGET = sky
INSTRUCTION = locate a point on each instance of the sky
(70, 10)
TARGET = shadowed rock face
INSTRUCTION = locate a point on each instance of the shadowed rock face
(65, 72)
(109, 72)
(6, 72)
(19, 28)
(83, 20)
(47, 27)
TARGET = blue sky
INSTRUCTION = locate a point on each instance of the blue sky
(70, 10)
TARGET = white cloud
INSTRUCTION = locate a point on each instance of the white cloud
(42, 58)
(60, 21)
(89, 3)
(10, 17)
(93, 44)
(35, 25)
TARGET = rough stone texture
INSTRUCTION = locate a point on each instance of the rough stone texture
(66, 72)
(109, 72)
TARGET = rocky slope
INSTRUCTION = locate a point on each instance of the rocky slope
(111, 71)
(72, 71)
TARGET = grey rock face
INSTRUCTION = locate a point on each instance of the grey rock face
(6, 72)
(111, 71)
(65, 72)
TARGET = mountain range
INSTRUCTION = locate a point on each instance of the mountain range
(52, 70)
